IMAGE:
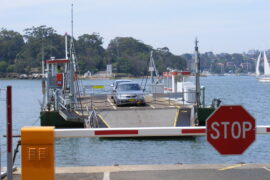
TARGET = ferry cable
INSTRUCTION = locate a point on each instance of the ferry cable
(16, 150)
(148, 62)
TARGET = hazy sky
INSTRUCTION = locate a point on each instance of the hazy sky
(220, 25)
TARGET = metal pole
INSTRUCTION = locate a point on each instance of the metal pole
(42, 54)
(151, 67)
(72, 69)
(9, 133)
(66, 46)
(197, 72)
(203, 96)
(183, 90)
(0, 151)
(72, 21)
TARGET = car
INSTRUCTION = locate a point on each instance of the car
(128, 93)
(116, 82)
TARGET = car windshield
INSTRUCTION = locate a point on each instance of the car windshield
(118, 82)
(129, 87)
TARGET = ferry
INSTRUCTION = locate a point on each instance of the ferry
(174, 103)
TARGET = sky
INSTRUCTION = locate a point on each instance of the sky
(220, 25)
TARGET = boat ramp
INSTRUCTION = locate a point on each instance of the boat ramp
(156, 112)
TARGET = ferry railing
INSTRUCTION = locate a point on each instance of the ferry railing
(99, 95)
(158, 92)
(96, 95)
(62, 103)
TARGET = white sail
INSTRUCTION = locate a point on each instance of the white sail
(258, 65)
(266, 65)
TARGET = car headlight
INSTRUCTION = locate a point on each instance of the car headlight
(140, 96)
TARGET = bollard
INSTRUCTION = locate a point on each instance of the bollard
(37, 160)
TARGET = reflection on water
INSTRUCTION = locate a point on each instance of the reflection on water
(243, 90)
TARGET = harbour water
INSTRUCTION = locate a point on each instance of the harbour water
(240, 90)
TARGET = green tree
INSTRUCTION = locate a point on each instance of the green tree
(3, 66)
(165, 59)
(41, 41)
(128, 55)
(11, 43)
(90, 52)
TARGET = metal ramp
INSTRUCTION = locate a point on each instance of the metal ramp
(71, 116)
(185, 117)
(139, 118)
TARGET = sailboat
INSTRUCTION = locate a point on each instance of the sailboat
(265, 77)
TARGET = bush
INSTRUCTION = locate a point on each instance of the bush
(3, 66)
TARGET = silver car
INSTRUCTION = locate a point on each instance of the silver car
(116, 82)
(128, 93)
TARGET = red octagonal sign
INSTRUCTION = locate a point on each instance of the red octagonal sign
(230, 130)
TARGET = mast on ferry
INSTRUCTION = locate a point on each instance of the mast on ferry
(73, 69)
(197, 75)
(59, 78)
(153, 69)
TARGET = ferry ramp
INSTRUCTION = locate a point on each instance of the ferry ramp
(158, 111)
(184, 117)
(140, 118)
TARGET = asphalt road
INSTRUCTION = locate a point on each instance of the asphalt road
(167, 172)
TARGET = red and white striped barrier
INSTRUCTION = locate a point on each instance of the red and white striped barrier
(141, 132)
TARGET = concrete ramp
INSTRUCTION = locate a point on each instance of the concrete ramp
(140, 118)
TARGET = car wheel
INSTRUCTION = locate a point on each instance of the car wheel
(113, 100)
(143, 104)
(117, 103)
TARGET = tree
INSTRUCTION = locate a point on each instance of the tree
(90, 52)
(165, 59)
(3, 66)
(41, 41)
(128, 55)
(11, 43)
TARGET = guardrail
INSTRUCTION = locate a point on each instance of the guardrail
(140, 132)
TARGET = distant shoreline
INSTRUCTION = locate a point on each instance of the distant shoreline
(80, 78)
(38, 77)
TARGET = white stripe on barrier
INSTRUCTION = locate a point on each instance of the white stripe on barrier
(141, 132)
(262, 129)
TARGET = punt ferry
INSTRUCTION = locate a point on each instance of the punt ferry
(175, 102)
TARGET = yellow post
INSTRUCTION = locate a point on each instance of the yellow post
(37, 161)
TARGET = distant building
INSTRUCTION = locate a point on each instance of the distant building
(220, 64)
(246, 66)
(87, 74)
(109, 69)
(104, 74)
(230, 64)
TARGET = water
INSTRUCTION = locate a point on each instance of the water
(243, 90)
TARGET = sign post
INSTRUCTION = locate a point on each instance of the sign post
(231, 130)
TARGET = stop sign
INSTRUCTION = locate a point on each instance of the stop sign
(230, 130)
